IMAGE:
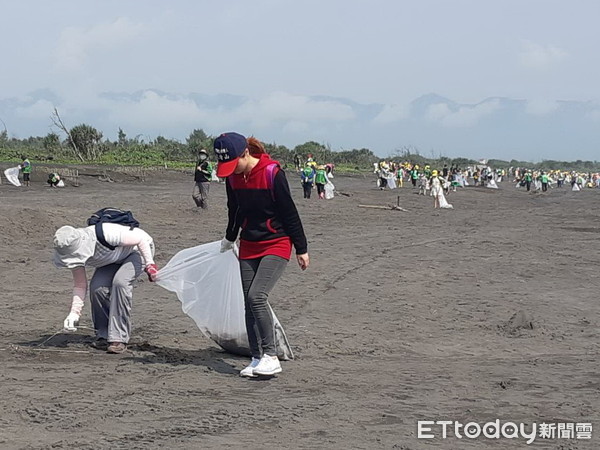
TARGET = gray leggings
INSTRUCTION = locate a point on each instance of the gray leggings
(111, 295)
(258, 278)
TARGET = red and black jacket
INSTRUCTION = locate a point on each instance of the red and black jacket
(262, 206)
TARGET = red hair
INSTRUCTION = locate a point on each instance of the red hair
(255, 147)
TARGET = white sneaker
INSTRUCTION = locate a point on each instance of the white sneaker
(248, 371)
(268, 365)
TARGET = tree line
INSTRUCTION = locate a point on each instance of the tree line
(85, 144)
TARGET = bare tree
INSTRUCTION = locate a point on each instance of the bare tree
(4, 134)
(57, 121)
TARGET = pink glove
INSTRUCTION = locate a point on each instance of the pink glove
(152, 271)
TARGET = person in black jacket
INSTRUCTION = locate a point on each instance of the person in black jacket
(202, 179)
(261, 206)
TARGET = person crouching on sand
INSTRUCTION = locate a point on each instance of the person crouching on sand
(111, 286)
(260, 204)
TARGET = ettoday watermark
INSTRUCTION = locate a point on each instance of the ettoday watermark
(497, 429)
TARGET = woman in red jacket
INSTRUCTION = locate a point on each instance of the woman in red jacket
(260, 204)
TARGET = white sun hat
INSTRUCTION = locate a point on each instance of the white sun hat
(73, 246)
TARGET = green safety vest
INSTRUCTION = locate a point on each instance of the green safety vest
(27, 168)
(321, 178)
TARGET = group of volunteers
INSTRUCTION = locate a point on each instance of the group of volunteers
(542, 180)
(26, 168)
(393, 174)
(261, 213)
(315, 175)
(429, 181)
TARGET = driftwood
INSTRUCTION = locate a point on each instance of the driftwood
(388, 207)
(395, 207)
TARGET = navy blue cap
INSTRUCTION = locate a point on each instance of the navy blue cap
(228, 148)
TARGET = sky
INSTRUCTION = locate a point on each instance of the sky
(511, 78)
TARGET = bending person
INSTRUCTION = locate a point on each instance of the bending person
(111, 286)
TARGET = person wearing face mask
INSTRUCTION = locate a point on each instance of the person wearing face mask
(259, 204)
(202, 179)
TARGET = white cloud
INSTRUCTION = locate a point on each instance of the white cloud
(594, 114)
(38, 110)
(296, 127)
(284, 107)
(437, 112)
(537, 56)
(465, 116)
(156, 111)
(541, 107)
(292, 113)
(76, 45)
(391, 114)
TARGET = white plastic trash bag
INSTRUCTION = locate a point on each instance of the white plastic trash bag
(12, 175)
(443, 202)
(329, 188)
(492, 184)
(209, 286)
(60, 183)
(391, 182)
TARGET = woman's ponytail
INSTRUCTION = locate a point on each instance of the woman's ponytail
(255, 147)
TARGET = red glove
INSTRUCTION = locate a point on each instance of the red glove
(152, 271)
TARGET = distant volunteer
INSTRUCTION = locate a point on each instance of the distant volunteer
(25, 167)
(321, 180)
(307, 177)
(202, 179)
(53, 179)
(261, 206)
(437, 188)
(111, 286)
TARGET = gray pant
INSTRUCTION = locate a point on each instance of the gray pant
(200, 194)
(258, 278)
(111, 295)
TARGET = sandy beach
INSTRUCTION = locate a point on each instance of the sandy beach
(487, 311)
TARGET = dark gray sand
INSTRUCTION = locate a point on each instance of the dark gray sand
(488, 311)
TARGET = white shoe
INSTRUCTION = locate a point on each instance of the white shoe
(248, 371)
(268, 365)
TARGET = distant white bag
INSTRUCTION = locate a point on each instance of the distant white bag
(209, 286)
(12, 175)
(443, 202)
(329, 188)
(491, 184)
(391, 182)
(576, 187)
(60, 183)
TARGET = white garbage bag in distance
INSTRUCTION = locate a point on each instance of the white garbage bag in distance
(12, 175)
(391, 181)
(491, 184)
(329, 188)
(209, 286)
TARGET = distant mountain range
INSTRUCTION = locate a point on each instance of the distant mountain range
(496, 127)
